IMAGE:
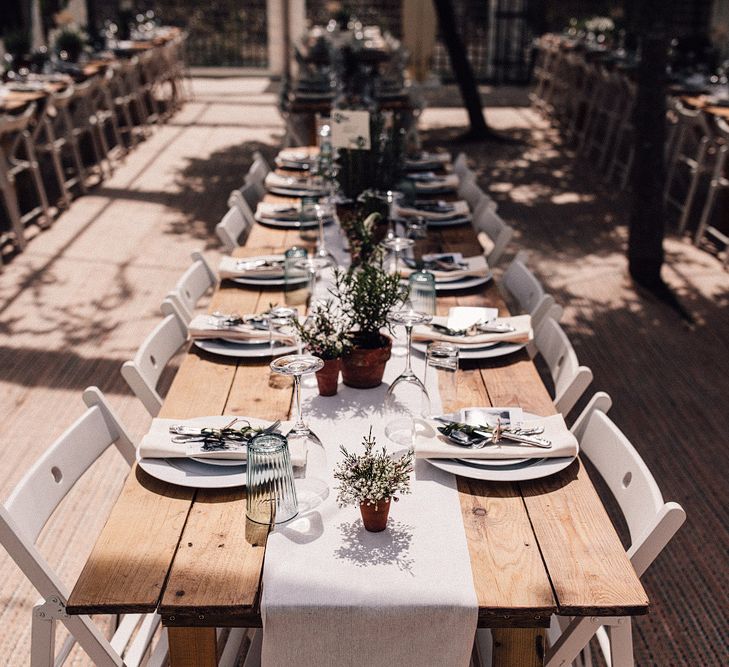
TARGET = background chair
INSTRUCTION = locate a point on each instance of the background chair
(258, 170)
(197, 280)
(27, 511)
(570, 379)
(493, 234)
(651, 523)
(143, 372)
(524, 286)
(233, 227)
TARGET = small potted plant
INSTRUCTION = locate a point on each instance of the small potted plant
(324, 334)
(366, 295)
(70, 45)
(371, 481)
(360, 231)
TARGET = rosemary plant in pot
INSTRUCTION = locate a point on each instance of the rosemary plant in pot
(371, 481)
(324, 334)
(366, 295)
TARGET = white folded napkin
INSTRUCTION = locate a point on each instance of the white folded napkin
(244, 267)
(207, 326)
(522, 332)
(460, 209)
(274, 180)
(449, 181)
(298, 154)
(555, 430)
(157, 443)
(428, 158)
(278, 210)
(477, 267)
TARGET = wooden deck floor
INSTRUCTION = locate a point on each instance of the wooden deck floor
(82, 296)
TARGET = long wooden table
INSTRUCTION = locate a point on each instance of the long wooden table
(537, 548)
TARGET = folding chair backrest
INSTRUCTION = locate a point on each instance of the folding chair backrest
(570, 379)
(259, 170)
(525, 287)
(469, 190)
(234, 224)
(651, 522)
(460, 165)
(143, 372)
(498, 233)
(197, 280)
(53, 475)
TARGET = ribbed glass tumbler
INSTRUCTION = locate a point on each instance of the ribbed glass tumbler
(270, 480)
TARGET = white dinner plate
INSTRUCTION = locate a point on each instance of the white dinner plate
(488, 351)
(291, 224)
(268, 282)
(222, 463)
(295, 192)
(504, 470)
(236, 350)
(463, 283)
(186, 472)
(454, 222)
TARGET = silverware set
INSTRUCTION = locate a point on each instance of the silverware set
(478, 437)
(475, 329)
(214, 439)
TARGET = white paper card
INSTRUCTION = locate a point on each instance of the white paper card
(351, 129)
(463, 317)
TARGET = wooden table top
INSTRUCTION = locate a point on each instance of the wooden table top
(702, 102)
(537, 548)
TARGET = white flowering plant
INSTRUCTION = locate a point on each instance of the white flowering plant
(324, 333)
(372, 477)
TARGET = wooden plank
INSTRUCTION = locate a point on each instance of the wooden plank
(149, 515)
(193, 647)
(521, 646)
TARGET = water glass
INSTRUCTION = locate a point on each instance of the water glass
(308, 221)
(296, 279)
(442, 359)
(417, 230)
(422, 291)
(271, 494)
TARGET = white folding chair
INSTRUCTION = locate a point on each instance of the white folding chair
(27, 511)
(651, 523)
(493, 234)
(524, 286)
(143, 372)
(475, 197)
(234, 227)
(246, 198)
(197, 280)
(460, 165)
(258, 170)
(570, 379)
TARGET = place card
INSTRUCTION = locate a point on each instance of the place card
(351, 129)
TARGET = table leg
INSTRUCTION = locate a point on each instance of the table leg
(193, 647)
(522, 647)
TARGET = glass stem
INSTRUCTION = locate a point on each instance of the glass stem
(299, 425)
(409, 339)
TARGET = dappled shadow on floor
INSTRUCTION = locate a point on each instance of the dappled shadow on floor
(205, 184)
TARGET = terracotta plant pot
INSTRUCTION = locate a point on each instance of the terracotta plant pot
(375, 520)
(328, 377)
(363, 368)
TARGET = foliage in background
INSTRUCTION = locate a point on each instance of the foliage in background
(360, 231)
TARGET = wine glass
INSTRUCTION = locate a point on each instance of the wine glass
(396, 245)
(313, 266)
(407, 394)
(279, 317)
(296, 365)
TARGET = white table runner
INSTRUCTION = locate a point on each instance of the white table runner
(334, 594)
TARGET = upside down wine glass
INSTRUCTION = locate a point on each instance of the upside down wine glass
(407, 395)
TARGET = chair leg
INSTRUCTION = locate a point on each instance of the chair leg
(621, 643)
(37, 180)
(711, 197)
(58, 165)
(42, 638)
(10, 198)
(698, 170)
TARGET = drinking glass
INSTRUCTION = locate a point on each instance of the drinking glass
(417, 230)
(294, 277)
(442, 359)
(270, 491)
(296, 365)
(407, 395)
(422, 291)
(278, 318)
(308, 230)
(313, 266)
(323, 211)
(396, 245)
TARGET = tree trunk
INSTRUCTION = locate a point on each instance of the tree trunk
(463, 71)
(647, 216)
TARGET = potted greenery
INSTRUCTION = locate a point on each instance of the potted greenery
(324, 334)
(371, 481)
(366, 295)
(360, 231)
